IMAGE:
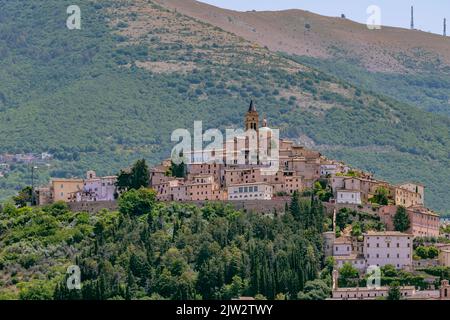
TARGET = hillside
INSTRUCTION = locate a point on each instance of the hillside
(408, 65)
(114, 91)
(160, 252)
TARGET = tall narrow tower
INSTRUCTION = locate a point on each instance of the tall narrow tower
(252, 118)
(412, 18)
(445, 27)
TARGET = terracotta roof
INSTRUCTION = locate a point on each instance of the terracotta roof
(342, 240)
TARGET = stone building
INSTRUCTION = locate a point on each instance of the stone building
(96, 189)
(408, 194)
(389, 247)
(298, 169)
(423, 222)
(64, 189)
(250, 191)
(348, 196)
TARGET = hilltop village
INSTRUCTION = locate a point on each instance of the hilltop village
(374, 223)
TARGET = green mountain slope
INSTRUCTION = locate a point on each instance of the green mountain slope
(428, 88)
(112, 92)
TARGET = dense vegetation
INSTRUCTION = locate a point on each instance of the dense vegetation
(426, 86)
(357, 222)
(349, 277)
(150, 250)
(84, 96)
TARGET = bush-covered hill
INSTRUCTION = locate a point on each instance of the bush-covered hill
(428, 88)
(159, 251)
(112, 92)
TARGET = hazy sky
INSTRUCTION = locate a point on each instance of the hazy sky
(429, 14)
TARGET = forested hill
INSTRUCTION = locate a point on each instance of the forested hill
(112, 92)
(158, 251)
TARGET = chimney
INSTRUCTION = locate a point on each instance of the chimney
(412, 18)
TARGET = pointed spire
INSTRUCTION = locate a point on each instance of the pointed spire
(252, 107)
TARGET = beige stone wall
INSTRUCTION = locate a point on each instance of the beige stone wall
(63, 189)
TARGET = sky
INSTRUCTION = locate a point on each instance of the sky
(428, 14)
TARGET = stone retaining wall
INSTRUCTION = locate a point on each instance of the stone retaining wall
(263, 206)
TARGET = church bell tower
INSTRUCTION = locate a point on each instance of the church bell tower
(252, 118)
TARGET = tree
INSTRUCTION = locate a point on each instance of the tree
(342, 218)
(315, 290)
(24, 197)
(294, 208)
(36, 290)
(137, 202)
(427, 252)
(348, 273)
(357, 230)
(394, 291)
(178, 170)
(401, 220)
(140, 175)
(433, 252)
(381, 196)
(135, 178)
(389, 271)
(422, 252)
(123, 180)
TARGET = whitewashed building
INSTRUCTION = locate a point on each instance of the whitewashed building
(258, 191)
(343, 253)
(97, 188)
(348, 196)
(393, 248)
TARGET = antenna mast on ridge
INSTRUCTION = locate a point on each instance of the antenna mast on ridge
(445, 27)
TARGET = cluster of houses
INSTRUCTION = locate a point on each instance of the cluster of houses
(379, 249)
(6, 160)
(299, 169)
(26, 158)
(89, 189)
